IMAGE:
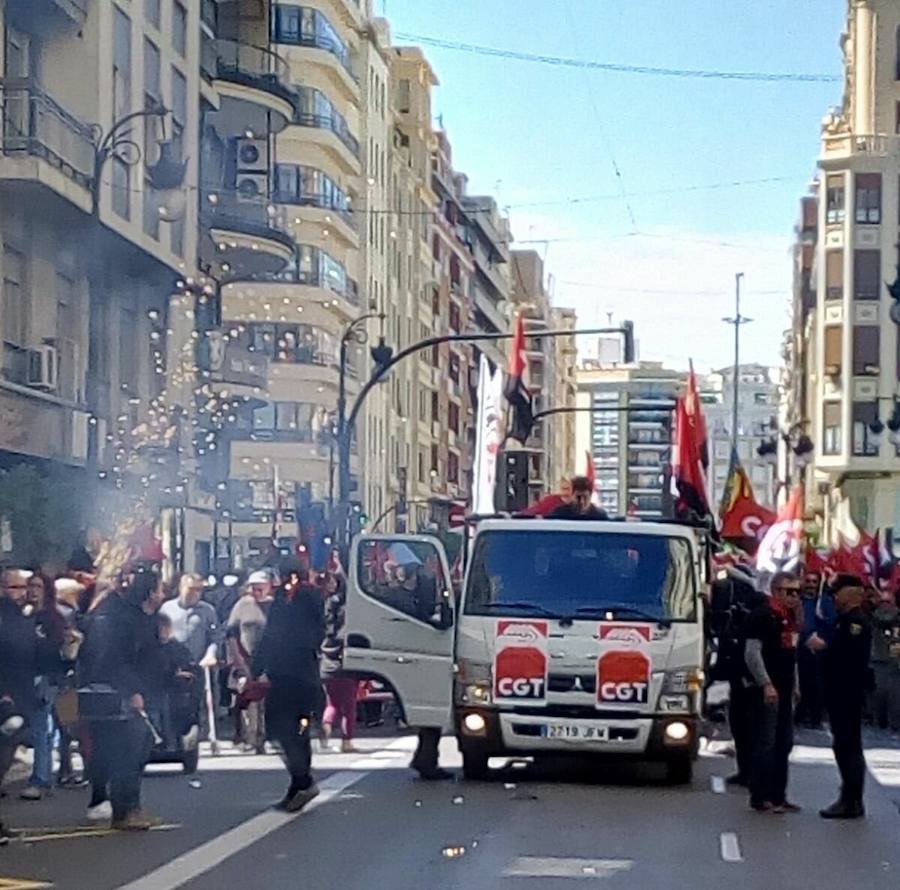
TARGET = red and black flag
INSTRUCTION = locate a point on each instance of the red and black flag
(516, 390)
(688, 475)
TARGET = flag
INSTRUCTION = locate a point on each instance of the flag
(744, 521)
(694, 410)
(516, 390)
(544, 507)
(844, 531)
(781, 549)
(590, 471)
(487, 438)
(688, 477)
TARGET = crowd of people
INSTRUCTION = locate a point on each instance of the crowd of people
(115, 671)
(794, 656)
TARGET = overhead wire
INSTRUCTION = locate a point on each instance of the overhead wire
(618, 67)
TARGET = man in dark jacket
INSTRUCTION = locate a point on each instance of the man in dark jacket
(120, 641)
(580, 507)
(288, 655)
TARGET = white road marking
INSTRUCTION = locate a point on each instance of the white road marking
(730, 847)
(560, 867)
(718, 784)
(214, 852)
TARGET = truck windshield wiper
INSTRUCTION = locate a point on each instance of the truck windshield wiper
(625, 609)
(528, 607)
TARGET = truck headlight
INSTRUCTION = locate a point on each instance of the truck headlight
(475, 693)
(683, 682)
(473, 683)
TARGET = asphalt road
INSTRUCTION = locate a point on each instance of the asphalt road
(543, 826)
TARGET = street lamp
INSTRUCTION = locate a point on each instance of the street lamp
(796, 443)
(166, 175)
(878, 427)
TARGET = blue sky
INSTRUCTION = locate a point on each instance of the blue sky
(534, 134)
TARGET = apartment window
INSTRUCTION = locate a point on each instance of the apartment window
(179, 109)
(868, 198)
(435, 459)
(403, 97)
(454, 318)
(421, 458)
(831, 428)
(151, 12)
(864, 413)
(423, 405)
(128, 349)
(867, 274)
(452, 469)
(14, 307)
(179, 28)
(866, 350)
(454, 368)
(152, 92)
(897, 57)
(453, 417)
(67, 327)
(121, 63)
(834, 275)
(834, 349)
(897, 119)
(835, 200)
(435, 408)
(121, 188)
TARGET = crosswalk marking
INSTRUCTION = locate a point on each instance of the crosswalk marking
(564, 867)
(730, 847)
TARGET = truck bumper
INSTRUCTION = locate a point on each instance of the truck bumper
(503, 733)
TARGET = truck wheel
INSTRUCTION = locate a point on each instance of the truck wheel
(475, 765)
(680, 771)
(190, 760)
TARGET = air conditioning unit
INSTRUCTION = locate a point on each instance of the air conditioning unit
(252, 155)
(43, 368)
(252, 187)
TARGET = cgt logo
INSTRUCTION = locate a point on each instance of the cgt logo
(521, 687)
(623, 678)
(626, 634)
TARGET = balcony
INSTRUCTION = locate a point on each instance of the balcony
(42, 143)
(240, 372)
(254, 84)
(248, 234)
(38, 15)
(842, 146)
(329, 124)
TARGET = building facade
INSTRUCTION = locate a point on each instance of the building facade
(625, 423)
(758, 405)
(844, 341)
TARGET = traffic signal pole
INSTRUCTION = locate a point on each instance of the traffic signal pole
(385, 360)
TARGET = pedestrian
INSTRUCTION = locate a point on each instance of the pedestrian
(195, 625)
(847, 680)
(69, 597)
(119, 645)
(41, 604)
(809, 668)
(244, 630)
(18, 664)
(340, 689)
(734, 599)
(581, 506)
(288, 657)
(770, 656)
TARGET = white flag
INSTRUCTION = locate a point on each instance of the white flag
(488, 436)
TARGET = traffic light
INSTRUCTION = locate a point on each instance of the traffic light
(628, 345)
(512, 488)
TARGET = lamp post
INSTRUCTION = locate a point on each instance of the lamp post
(385, 359)
(736, 321)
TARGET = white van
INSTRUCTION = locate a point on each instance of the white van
(568, 636)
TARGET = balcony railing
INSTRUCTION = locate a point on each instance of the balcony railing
(34, 124)
(323, 202)
(324, 122)
(254, 66)
(231, 210)
(241, 367)
(315, 278)
(876, 145)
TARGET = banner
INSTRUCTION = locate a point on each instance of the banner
(624, 666)
(744, 521)
(488, 436)
(521, 661)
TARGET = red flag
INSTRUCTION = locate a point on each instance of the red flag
(816, 561)
(782, 548)
(694, 409)
(544, 507)
(744, 521)
(516, 390)
(688, 478)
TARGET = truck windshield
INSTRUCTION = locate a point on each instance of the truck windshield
(577, 574)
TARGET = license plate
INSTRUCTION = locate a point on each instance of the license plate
(575, 732)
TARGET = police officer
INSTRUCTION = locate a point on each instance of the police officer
(847, 680)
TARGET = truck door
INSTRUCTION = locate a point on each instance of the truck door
(399, 622)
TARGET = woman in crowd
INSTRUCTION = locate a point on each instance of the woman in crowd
(340, 690)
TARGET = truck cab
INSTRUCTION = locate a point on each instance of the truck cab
(568, 636)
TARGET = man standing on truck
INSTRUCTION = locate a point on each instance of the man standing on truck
(770, 655)
(580, 507)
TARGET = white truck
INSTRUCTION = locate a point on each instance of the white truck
(568, 636)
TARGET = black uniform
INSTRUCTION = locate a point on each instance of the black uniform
(847, 680)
